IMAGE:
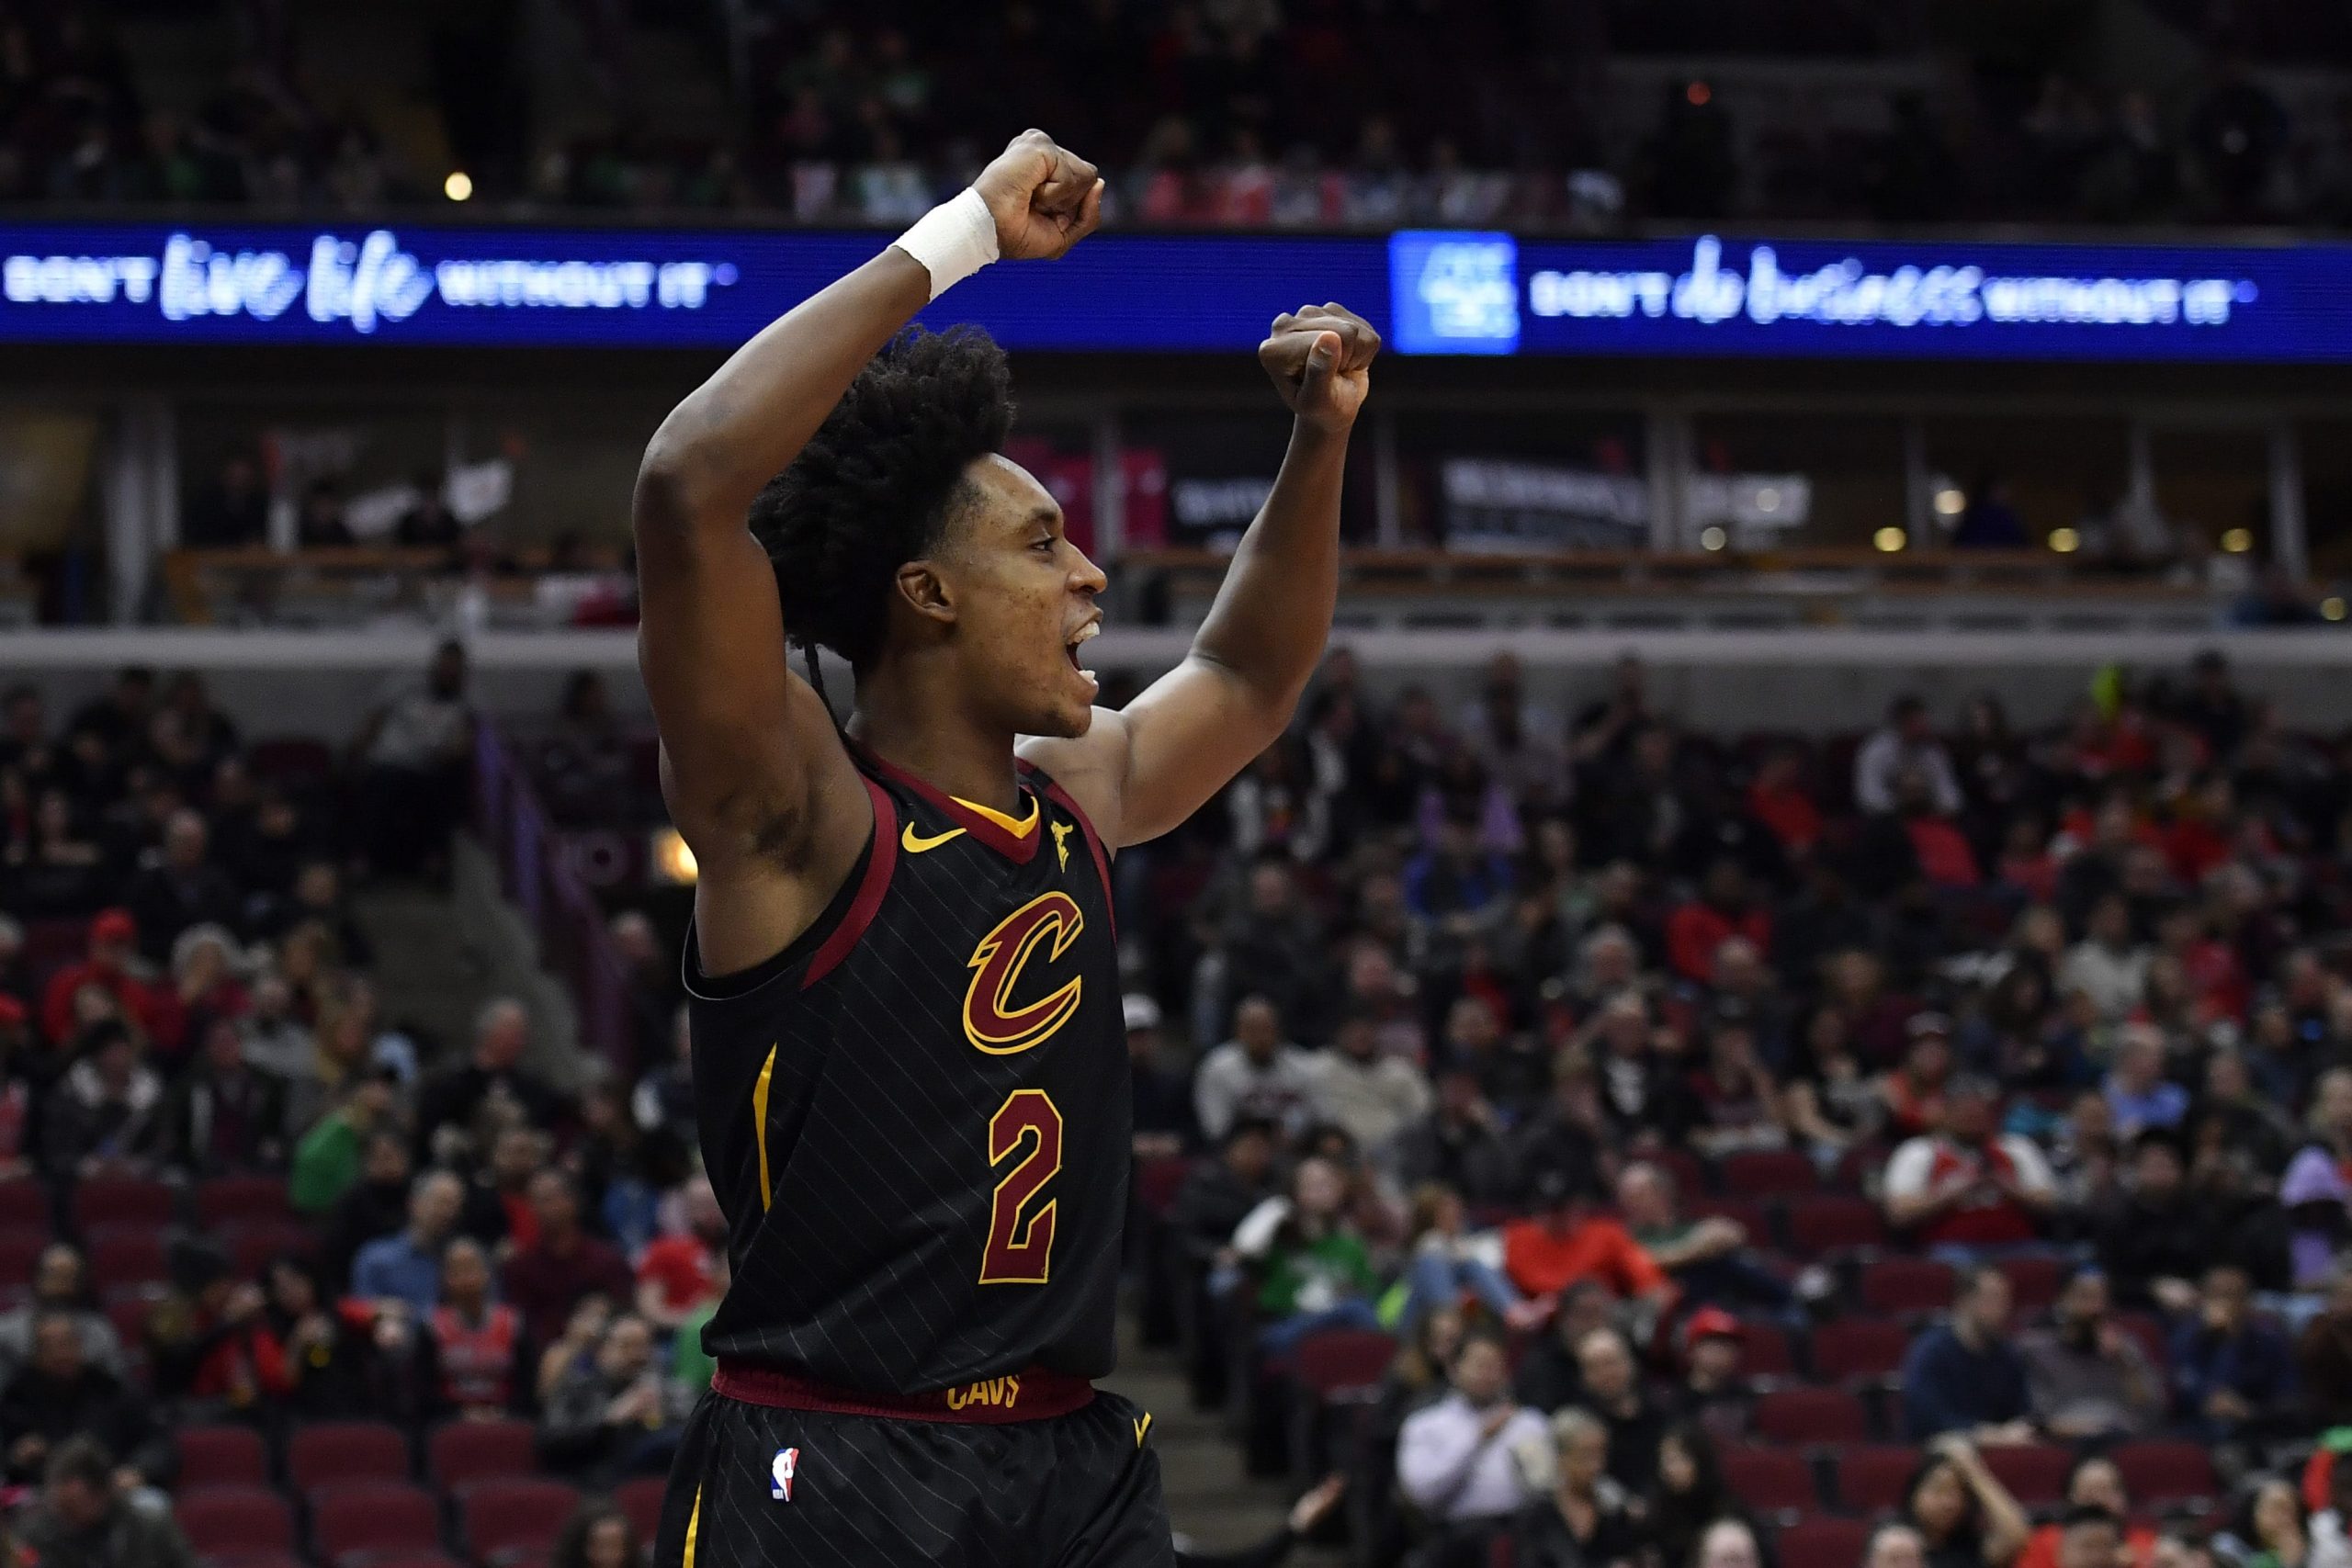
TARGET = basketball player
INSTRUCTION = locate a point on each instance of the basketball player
(910, 1067)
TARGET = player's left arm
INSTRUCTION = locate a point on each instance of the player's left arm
(1141, 770)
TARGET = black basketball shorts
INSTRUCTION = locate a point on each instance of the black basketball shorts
(764, 1485)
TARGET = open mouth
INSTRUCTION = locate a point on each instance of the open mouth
(1085, 633)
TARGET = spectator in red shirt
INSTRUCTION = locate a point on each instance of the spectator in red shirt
(679, 1273)
(1571, 1240)
(1968, 1186)
(1779, 800)
(546, 1280)
(114, 944)
(1724, 908)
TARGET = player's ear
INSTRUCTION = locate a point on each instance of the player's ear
(926, 592)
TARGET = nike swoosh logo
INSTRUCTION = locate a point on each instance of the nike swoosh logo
(915, 843)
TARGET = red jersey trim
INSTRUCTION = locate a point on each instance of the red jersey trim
(1031, 1395)
(1018, 848)
(879, 864)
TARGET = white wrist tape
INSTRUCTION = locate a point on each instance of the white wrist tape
(953, 241)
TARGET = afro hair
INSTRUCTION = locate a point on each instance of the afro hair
(874, 487)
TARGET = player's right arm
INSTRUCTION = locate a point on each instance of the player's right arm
(755, 776)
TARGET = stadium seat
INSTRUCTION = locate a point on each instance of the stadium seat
(1765, 1351)
(1907, 1285)
(127, 1310)
(410, 1560)
(1822, 1541)
(25, 1206)
(1827, 1223)
(220, 1519)
(20, 1250)
(327, 1453)
(2035, 1473)
(103, 1201)
(1757, 1174)
(1342, 1358)
(1157, 1181)
(1859, 1349)
(1811, 1416)
(2158, 1473)
(373, 1516)
(241, 1199)
(462, 1452)
(503, 1515)
(221, 1456)
(1688, 1172)
(254, 1245)
(642, 1500)
(2149, 1330)
(1771, 1481)
(122, 1259)
(2034, 1282)
(251, 1560)
(1872, 1477)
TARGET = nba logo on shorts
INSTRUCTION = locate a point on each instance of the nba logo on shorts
(780, 1474)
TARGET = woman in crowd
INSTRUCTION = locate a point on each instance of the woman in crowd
(1832, 1104)
(1691, 1495)
(1588, 1521)
(598, 1536)
(1451, 1263)
(2271, 1529)
(1962, 1511)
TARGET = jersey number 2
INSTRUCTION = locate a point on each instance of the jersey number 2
(1021, 1239)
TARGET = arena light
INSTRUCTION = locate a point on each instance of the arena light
(459, 186)
(1951, 501)
(2332, 607)
(670, 859)
(1698, 92)
(1888, 540)
(1711, 537)
(2065, 541)
(2237, 541)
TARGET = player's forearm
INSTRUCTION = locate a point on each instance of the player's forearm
(739, 429)
(1273, 617)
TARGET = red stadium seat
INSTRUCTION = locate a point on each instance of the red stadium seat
(2149, 1330)
(255, 1245)
(20, 1250)
(410, 1560)
(2035, 1473)
(1811, 1416)
(328, 1453)
(220, 1519)
(1831, 1224)
(243, 1199)
(1771, 1481)
(221, 1456)
(1872, 1477)
(1765, 1351)
(127, 1310)
(123, 1259)
(1913, 1285)
(1769, 1173)
(505, 1516)
(1340, 1359)
(642, 1500)
(462, 1452)
(251, 1560)
(1822, 1543)
(2034, 1282)
(25, 1206)
(103, 1201)
(374, 1517)
(1859, 1349)
(2156, 1473)
(291, 759)
(1158, 1180)
(1688, 1172)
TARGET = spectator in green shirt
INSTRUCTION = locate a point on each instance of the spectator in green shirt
(1312, 1267)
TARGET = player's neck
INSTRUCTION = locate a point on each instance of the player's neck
(939, 742)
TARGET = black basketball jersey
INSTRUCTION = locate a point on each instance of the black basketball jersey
(917, 1116)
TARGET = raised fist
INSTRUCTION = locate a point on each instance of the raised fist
(1045, 199)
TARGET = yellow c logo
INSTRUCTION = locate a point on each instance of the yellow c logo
(990, 1020)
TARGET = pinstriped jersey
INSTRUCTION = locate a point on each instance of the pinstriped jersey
(918, 1117)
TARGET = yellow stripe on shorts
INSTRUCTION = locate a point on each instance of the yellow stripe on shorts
(693, 1527)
